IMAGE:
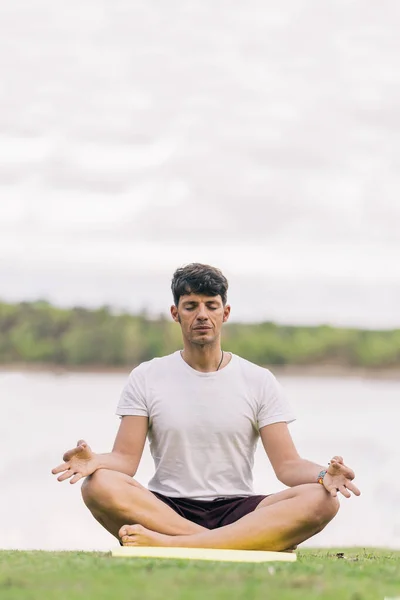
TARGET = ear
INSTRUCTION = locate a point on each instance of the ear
(175, 314)
(227, 312)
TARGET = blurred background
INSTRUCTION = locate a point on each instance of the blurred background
(136, 137)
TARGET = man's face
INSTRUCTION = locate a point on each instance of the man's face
(200, 317)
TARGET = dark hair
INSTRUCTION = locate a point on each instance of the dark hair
(199, 279)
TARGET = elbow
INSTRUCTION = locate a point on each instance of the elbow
(280, 475)
(286, 473)
(130, 470)
(282, 479)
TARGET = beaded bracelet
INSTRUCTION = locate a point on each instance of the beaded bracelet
(321, 476)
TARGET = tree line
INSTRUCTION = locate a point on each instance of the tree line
(37, 332)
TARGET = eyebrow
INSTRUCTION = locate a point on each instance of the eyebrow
(187, 302)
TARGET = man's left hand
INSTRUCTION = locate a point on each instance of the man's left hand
(339, 478)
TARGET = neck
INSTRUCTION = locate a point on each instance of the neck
(203, 358)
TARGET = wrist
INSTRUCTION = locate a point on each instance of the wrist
(96, 462)
(321, 475)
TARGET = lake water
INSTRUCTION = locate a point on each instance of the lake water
(43, 414)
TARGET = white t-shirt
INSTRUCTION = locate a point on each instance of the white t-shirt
(203, 427)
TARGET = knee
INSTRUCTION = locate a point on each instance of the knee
(98, 488)
(324, 506)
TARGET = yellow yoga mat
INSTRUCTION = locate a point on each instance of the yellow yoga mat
(254, 556)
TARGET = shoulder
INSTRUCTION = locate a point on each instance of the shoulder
(144, 375)
(154, 367)
(253, 371)
(260, 380)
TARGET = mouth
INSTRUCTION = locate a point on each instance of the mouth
(202, 328)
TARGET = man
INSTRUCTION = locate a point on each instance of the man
(203, 410)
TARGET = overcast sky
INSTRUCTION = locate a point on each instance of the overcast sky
(262, 138)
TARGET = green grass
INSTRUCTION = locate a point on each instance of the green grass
(362, 574)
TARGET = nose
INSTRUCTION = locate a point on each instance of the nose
(202, 314)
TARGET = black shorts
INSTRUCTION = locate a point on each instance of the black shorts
(213, 513)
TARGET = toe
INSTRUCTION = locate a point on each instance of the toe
(123, 531)
(129, 533)
(128, 541)
(134, 529)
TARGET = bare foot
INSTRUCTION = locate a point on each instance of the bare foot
(137, 535)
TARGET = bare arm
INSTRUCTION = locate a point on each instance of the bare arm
(125, 455)
(293, 470)
(289, 467)
(128, 446)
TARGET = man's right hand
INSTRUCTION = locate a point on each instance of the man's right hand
(79, 462)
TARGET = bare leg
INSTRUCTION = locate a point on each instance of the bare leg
(293, 492)
(115, 499)
(303, 512)
(285, 495)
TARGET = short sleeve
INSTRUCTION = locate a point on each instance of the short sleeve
(273, 405)
(133, 399)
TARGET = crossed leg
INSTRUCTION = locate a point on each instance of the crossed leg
(115, 499)
(280, 521)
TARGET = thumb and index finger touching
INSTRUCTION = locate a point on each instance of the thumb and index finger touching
(81, 445)
(69, 454)
(336, 460)
(339, 468)
(337, 465)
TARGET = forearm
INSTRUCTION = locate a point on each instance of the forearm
(115, 461)
(299, 471)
